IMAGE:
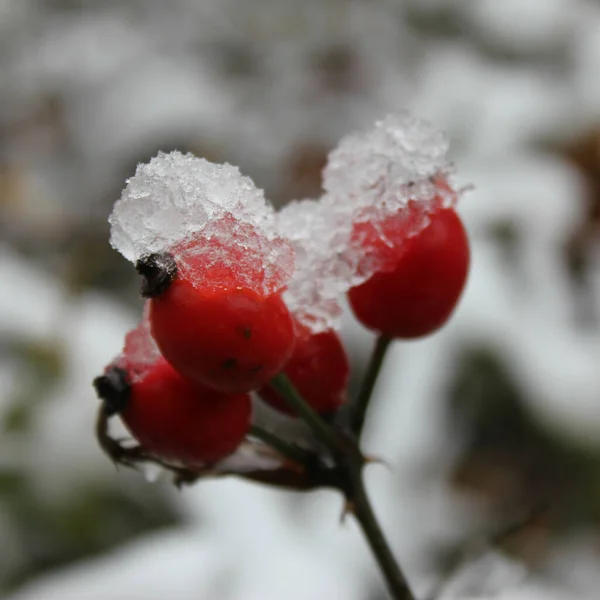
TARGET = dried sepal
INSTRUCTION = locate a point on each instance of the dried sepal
(254, 461)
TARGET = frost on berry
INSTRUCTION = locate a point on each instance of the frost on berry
(398, 169)
(313, 291)
(177, 203)
(138, 360)
(140, 351)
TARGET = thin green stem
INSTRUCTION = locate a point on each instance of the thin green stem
(363, 511)
(290, 451)
(366, 391)
(323, 432)
(349, 466)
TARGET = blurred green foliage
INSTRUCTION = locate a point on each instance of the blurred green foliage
(45, 535)
(38, 533)
(511, 459)
(42, 366)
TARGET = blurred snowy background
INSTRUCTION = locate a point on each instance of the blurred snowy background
(496, 415)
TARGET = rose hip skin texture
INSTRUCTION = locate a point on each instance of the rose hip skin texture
(178, 419)
(231, 339)
(417, 294)
(319, 370)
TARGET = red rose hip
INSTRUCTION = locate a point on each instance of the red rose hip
(319, 370)
(230, 337)
(421, 279)
(173, 417)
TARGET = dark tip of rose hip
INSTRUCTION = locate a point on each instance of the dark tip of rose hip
(244, 331)
(113, 389)
(230, 363)
(157, 271)
(256, 369)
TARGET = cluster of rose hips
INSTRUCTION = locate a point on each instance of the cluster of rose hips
(222, 340)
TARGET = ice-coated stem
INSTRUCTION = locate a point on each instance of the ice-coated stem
(363, 511)
(290, 451)
(368, 385)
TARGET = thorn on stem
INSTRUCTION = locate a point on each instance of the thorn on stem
(347, 509)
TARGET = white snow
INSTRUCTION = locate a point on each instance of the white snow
(369, 176)
(241, 541)
(176, 200)
(534, 26)
(374, 167)
(191, 208)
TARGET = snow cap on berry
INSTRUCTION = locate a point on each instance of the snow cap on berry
(177, 199)
(372, 175)
(388, 164)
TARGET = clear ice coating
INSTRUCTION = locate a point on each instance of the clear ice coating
(177, 202)
(140, 351)
(376, 166)
(369, 177)
(221, 230)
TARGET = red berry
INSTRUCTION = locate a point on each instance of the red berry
(319, 370)
(421, 277)
(176, 418)
(224, 334)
